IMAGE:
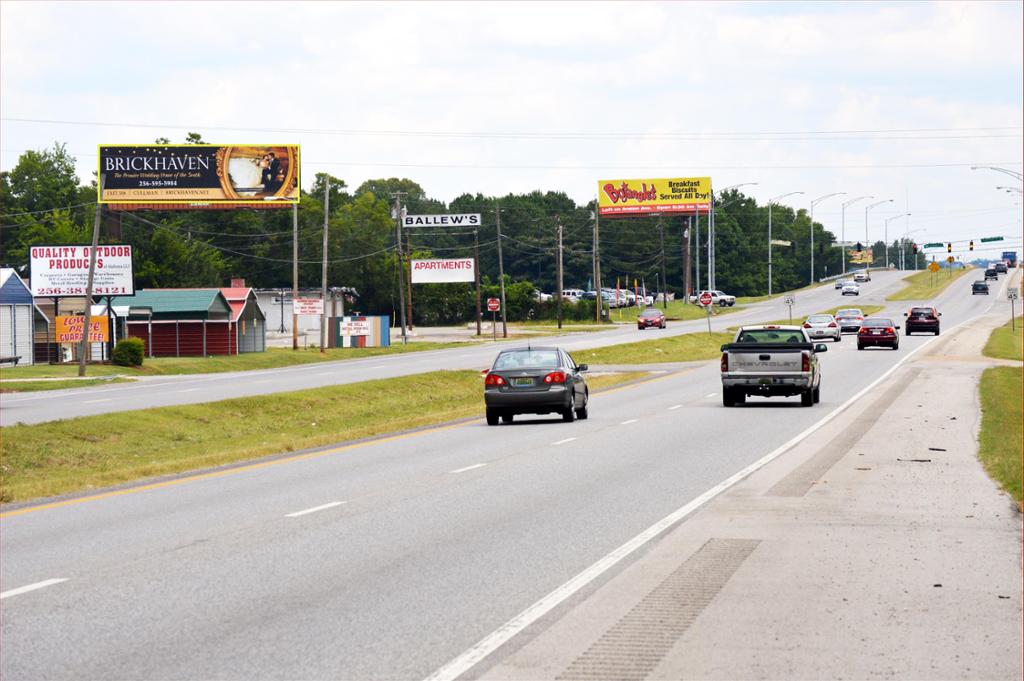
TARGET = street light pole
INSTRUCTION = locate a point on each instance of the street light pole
(842, 236)
(887, 221)
(813, 204)
(770, 202)
(867, 209)
(1011, 173)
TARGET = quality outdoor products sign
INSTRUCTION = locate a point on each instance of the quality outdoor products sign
(622, 198)
(207, 173)
(308, 306)
(355, 327)
(56, 271)
(69, 329)
(454, 220)
(443, 271)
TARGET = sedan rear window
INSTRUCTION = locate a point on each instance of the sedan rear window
(849, 313)
(877, 322)
(772, 336)
(819, 318)
(517, 359)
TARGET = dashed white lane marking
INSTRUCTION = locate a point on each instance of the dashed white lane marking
(315, 509)
(105, 399)
(31, 587)
(468, 468)
(629, 421)
(562, 442)
(674, 407)
(711, 395)
(379, 366)
(325, 373)
(189, 390)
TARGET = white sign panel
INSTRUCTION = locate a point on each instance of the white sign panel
(443, 271)
(1011, 294)
(456, 220)
(308, 306)
(355, 327)
(64, 271)
(789, 300)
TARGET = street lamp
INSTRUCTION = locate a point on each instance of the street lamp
(867, 209)
(813, 204)
(1011, 173)
(1012, 190)
(887, 221)
(842, 236)
(711, 233)
(770, 202)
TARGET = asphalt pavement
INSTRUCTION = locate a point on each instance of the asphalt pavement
(388, 559)
(195, 388)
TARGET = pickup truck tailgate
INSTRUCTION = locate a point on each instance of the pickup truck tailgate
(752, 360)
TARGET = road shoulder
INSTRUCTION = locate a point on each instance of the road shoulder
(878, 546)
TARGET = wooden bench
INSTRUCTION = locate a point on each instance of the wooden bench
(12, 360)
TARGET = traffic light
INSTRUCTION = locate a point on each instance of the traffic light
(972, 244)
(949, 248)
(915, 249)
(859, 247)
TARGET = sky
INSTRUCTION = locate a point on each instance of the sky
(892, 100)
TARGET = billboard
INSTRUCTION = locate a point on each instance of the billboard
(200, 173)
(624, 198)
(862, 257)
(56, 271)
(450, 220)
(69, 329)
(443, 271)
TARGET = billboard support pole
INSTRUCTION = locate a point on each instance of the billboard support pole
(599, 300)
(686, 257)
(559, 287)
(408, 243)
(401, 262)
(476, 276)
(664, 286)
(84, 345)
(295, 274)
(323, 276)
(501, 273)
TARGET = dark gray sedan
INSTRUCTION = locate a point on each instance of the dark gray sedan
(535, 381)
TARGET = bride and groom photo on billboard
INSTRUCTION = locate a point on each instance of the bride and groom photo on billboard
(260, 173)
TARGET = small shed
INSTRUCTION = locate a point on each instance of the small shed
(249, 320)
(181, 322)
(19, 318)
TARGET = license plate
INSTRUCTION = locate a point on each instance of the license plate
(522, 381)
(764, 381)
(877, 333)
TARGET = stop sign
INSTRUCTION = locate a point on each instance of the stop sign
(493, 304)
(705, 299)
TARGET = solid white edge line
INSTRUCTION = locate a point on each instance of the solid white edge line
(674, 407)
(105, 399)
(711, 395)
(468, 468)
(562, 442)
(628, 421)
(314, 509)
(474, 655)
(32, 587)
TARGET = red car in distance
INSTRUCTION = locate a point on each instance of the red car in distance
(922, 319)
(651, 317)
(878, 332)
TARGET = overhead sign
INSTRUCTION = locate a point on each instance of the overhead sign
(69, 329)
(210, 173)
(623, 198)
(452, 220)
(56, 271)
(493, 304)
(443, 271)
(933, 267)
(354, 327)
(308, 306)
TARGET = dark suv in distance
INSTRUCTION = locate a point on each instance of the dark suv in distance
(1000, 267)
(922, 319)
(535, 381)
(979, 288)
(990, 273)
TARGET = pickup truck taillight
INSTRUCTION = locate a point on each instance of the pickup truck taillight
(805, 364)
(725, 361)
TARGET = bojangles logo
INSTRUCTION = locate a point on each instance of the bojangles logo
(626, 193)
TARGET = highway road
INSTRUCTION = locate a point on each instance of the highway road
(190, 389)
(388, 559)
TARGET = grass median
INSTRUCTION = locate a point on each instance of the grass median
(925, 285)
(272, 358)
(685, 348)
(86, 453)
(999, 442)
(1005, 343)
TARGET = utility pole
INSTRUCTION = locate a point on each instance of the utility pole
(686, 258)
(559, 287)
(661, 236)
(408, 289)
(84, 345)
(501, 273)
(323, 273)
(295, 274)
(711, 239)
(476, 270)
(696, 249)
(401, 261)
(599, 301)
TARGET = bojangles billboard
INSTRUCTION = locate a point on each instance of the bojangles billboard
(645, 197)
(206, 173)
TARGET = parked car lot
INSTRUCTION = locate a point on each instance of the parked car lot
(878, 332)
(541, 380)
(922, 319)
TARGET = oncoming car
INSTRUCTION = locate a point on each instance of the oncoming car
(542, 380)
(651, 317)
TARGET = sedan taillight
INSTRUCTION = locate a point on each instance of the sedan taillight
(889, 329)
(555, 377)
(494, 379)
(831, 325)
(807, 325)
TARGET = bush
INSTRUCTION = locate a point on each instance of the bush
(129, 352)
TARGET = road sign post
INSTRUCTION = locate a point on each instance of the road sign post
(790, 301)
(706, 300)
(1012, 294)
(493, 305)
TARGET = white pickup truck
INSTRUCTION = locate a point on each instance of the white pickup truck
(717, 298)
(771, 361)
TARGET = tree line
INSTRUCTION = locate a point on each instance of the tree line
(42, 201)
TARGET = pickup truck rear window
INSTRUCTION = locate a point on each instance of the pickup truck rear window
(771, 336)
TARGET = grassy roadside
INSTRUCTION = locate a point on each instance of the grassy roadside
(35, 386)
(272, 358)
(1004, 343)
(999, 441)
(685, 348)
(924, 285)
(98, 451)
